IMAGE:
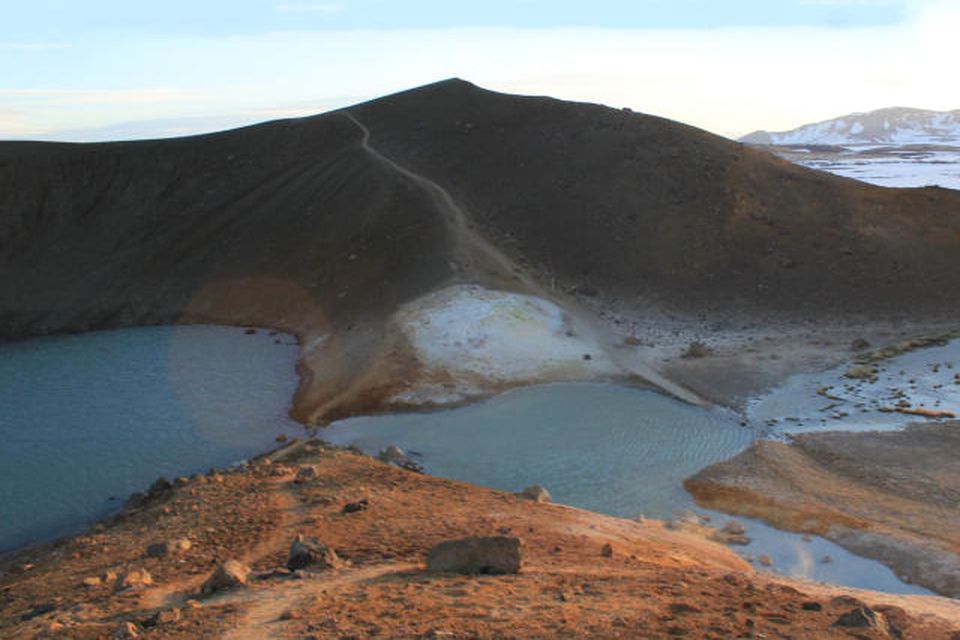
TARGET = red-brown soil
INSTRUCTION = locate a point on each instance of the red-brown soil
(656, 583)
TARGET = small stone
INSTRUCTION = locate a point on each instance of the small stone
(92, 581)
(310, 551)
(606, 550)
(733, 528)
(169, 616)
(227, 575)
(281, 438)
(765, 561)
(811, 606)
(865, 372)
(158, 549)
(305, 473)
(133, 580)
(697, 349)
(290, 614)
(126, 630)
(353, 507)
(536, 493)
(39, 610)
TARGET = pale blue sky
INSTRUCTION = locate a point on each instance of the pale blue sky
(99, 69)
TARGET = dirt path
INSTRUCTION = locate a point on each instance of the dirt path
(262, 619)
(174, 594)
(468, 241)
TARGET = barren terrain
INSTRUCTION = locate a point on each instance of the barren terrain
(650, 582)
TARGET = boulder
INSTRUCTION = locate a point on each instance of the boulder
(396, 456)
(863, 618)
(393, 454)
(475, 554)
(360, 505)
(536, 493)
(227, 575)
(310, 551)
(133, 579)
(305, 473)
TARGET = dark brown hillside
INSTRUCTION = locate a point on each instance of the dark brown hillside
(632, 204)
(322, 226)
(127, 233)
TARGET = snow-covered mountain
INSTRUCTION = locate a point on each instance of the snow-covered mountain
(894, 126)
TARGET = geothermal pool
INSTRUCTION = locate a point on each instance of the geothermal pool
(87, 419)
(606, 448)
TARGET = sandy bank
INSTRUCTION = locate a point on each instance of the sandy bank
(891, 496)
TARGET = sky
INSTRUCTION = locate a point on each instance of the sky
(85, 70)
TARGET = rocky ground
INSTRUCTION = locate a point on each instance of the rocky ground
(361, 569)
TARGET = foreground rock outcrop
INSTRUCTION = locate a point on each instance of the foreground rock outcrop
(893, 496)
(487, 555)
(584, 575)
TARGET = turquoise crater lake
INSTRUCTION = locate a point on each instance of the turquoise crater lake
(87, 419)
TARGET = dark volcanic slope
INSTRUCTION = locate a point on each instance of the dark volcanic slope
(297, 225)
(637, 204)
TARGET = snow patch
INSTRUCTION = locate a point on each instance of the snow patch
(475, 338)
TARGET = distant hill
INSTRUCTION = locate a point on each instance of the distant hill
(324, 226)
(893, 126)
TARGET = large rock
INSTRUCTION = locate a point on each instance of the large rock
(475, 554)
(864, 618)
(396, 456)
(309, 551)
(227, 575)
(305, 473)
(536, 493)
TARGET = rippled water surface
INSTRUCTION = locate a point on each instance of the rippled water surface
(90, 416)
(601, 447)
(611, 449)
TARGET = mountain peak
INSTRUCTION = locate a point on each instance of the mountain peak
(890, 125)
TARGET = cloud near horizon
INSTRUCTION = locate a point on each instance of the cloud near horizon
(729, 80)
